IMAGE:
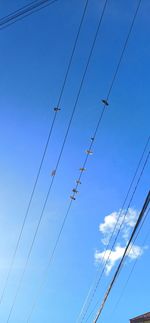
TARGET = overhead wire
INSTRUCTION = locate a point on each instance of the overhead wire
(78, 182)
(56, 110)
(131, 272)
(110, 89)
(17, 11)
(60, 155)
(115, 240)
(105, 102)
(105, 261)
(64, 144)
(131, 248)
(134, 264)
(141, 215)
(135, 261)
(23, 12)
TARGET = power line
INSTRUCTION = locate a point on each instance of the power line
(60, 155)
(83, 167)
(144, 208)
(63, 145)
(90, 298)
(105, 102)
(124, 48)
(108, 95)
(116, 237)
(56, 110)
(18, 10)
(23, 12)
(135, 262)
(78, 182)
(130, 274)
(95, 306)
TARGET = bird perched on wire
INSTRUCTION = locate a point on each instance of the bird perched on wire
(105, 102)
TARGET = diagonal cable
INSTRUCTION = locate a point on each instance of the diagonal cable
(23, 12)
(116, 237)
(59, 157)
(105, 103)
(141, 215)
(105, 261)
(44, 151)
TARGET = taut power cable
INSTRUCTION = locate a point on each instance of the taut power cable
(56, 110)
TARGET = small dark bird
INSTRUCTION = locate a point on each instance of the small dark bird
(105, 102)
(57, 109)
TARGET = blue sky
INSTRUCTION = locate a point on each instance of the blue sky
(34, 56)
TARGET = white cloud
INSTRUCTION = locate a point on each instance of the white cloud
(110, 257)
(135, 252)
(112, 222)
(124, 220)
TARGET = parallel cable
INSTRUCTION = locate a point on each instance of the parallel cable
(132, 269)
(17, 11)
(95, 306)
(131, 272)
(104, 262)
(107, 97)
(67, 213)
(141, 215)
(60, 155)
(116, 237)
(57, 164)
(95, 132)
(45, 149)
(135, 262)
(23, 12)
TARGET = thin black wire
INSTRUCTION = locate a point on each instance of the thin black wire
(44, 153)
(60, 155)
(16, 11)
(112, 234)
(134, 264)
(23, 12)
(144, 208)
(124, 287)
(95, 306)
(66, 216)
(116, 237)
(96, 129)
(28, 14)
(123, 50)
(69, 128)
(108, 95)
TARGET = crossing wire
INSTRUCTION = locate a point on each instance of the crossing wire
(86, 159)
(59, 158)
(89, 299)
(93, 138)
(116, 237)
(66, 215)
(95, 306)
(135, 261)
(23, 12)
(141, 215)
(45, 150)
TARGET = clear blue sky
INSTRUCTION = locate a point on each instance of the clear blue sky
(34, 55)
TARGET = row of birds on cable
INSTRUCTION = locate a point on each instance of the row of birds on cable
(88, 152)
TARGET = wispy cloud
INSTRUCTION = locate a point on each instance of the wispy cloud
(112, 223)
